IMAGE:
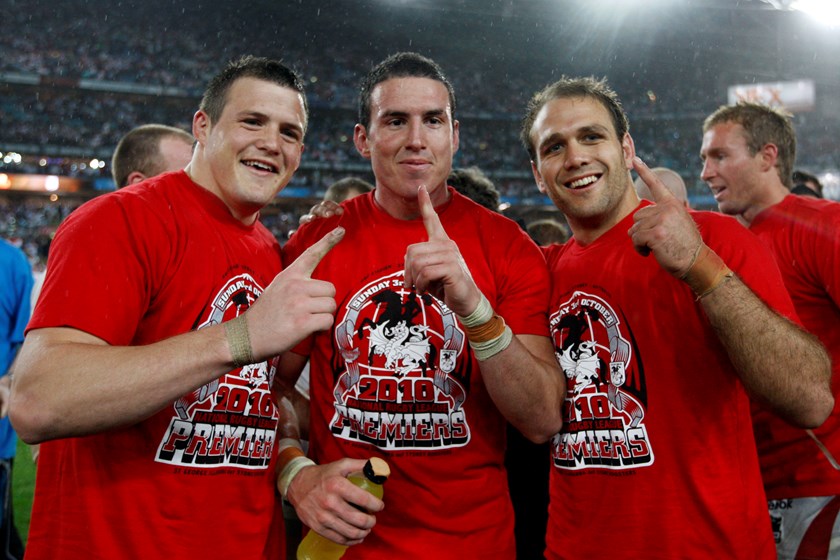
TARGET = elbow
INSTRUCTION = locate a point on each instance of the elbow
(543, 433)
(817, 414)
(29, 420)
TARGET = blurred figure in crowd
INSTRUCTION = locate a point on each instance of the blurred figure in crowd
(149, 150)
(672, 181)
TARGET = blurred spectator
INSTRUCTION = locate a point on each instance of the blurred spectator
(149, 150)
(546, 232)
(474, 184)
(346, 188)
(805, 184)
(672, 181)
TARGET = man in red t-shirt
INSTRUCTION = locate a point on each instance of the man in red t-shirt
(148, 364)
(440, 336)
(748, 153)
(659, 321)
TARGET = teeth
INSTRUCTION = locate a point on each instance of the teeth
(583, 182)
(259, 165)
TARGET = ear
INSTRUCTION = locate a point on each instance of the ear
(134, 177)
(201, 126)
(769, 154)
(538, 178)
(456, 136)
(628, 149)
(360, 139)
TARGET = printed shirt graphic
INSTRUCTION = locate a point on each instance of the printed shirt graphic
(399, 350)
(395, 377)
(172, 260)
(657, 451)
(604, 410)
(231, 420)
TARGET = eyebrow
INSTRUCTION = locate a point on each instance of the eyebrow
(406, 114)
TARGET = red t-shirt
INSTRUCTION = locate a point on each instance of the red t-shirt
(395, 377)
(804, 235)
(656, 458)
(196, 480)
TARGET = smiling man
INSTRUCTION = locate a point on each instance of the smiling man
(440, 336)
(149, 359)
(659, 322)
(748, 154)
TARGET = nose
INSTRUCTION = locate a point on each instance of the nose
(576, 156)
(708, 170)
(269, 141)
(416, 135)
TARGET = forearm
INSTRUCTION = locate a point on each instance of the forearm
(527, 386)
(68, 383)
(779, 364)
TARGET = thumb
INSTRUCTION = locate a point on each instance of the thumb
(430, 218)
(309, 259)
(658, 190)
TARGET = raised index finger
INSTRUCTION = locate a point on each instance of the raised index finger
(430, 218)
(309, 259)
(658, 190)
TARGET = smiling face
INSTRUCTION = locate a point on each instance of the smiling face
(410, 141)
(253, 150)
(582, 165)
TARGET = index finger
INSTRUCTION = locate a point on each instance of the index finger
(658, 190)
(309, 259)
(430, 218)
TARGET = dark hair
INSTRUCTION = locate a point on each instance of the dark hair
(803, 177)
(339, 191)
(567, 87)
(762, 125)
(475, 185)
(139, 150)
(401, 65)
(215, 96)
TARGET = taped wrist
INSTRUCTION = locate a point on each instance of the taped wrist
(707, 272)
(239, 342)
(290, 461)
(487, 332)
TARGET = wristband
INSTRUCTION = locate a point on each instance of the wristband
(482, 313)
(239, 342)
(290, 461)
(706, 273)
(489, 348)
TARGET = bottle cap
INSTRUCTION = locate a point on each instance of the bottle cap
(376, 470)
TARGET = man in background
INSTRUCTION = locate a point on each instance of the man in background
(748, 154)
(672, 181)
(149, 150)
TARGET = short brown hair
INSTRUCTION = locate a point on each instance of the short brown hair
(762, 125)
(139, 150)
(567, 87)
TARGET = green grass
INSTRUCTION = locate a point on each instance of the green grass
(23, 486)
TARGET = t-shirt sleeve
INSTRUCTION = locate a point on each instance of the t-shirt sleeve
(524, 289)
(745, 254)
(100, 271)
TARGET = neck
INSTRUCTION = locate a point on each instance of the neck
(407, 207)
(771, 196)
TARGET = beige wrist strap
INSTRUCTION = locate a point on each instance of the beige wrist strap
(239, 342)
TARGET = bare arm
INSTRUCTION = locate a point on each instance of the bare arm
(779, 364)
(321, 494)
(524, 380)
(70, 383)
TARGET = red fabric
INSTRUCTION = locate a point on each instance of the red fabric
(134, 267)
(659, 460)
(447, 495)
(804, 235)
